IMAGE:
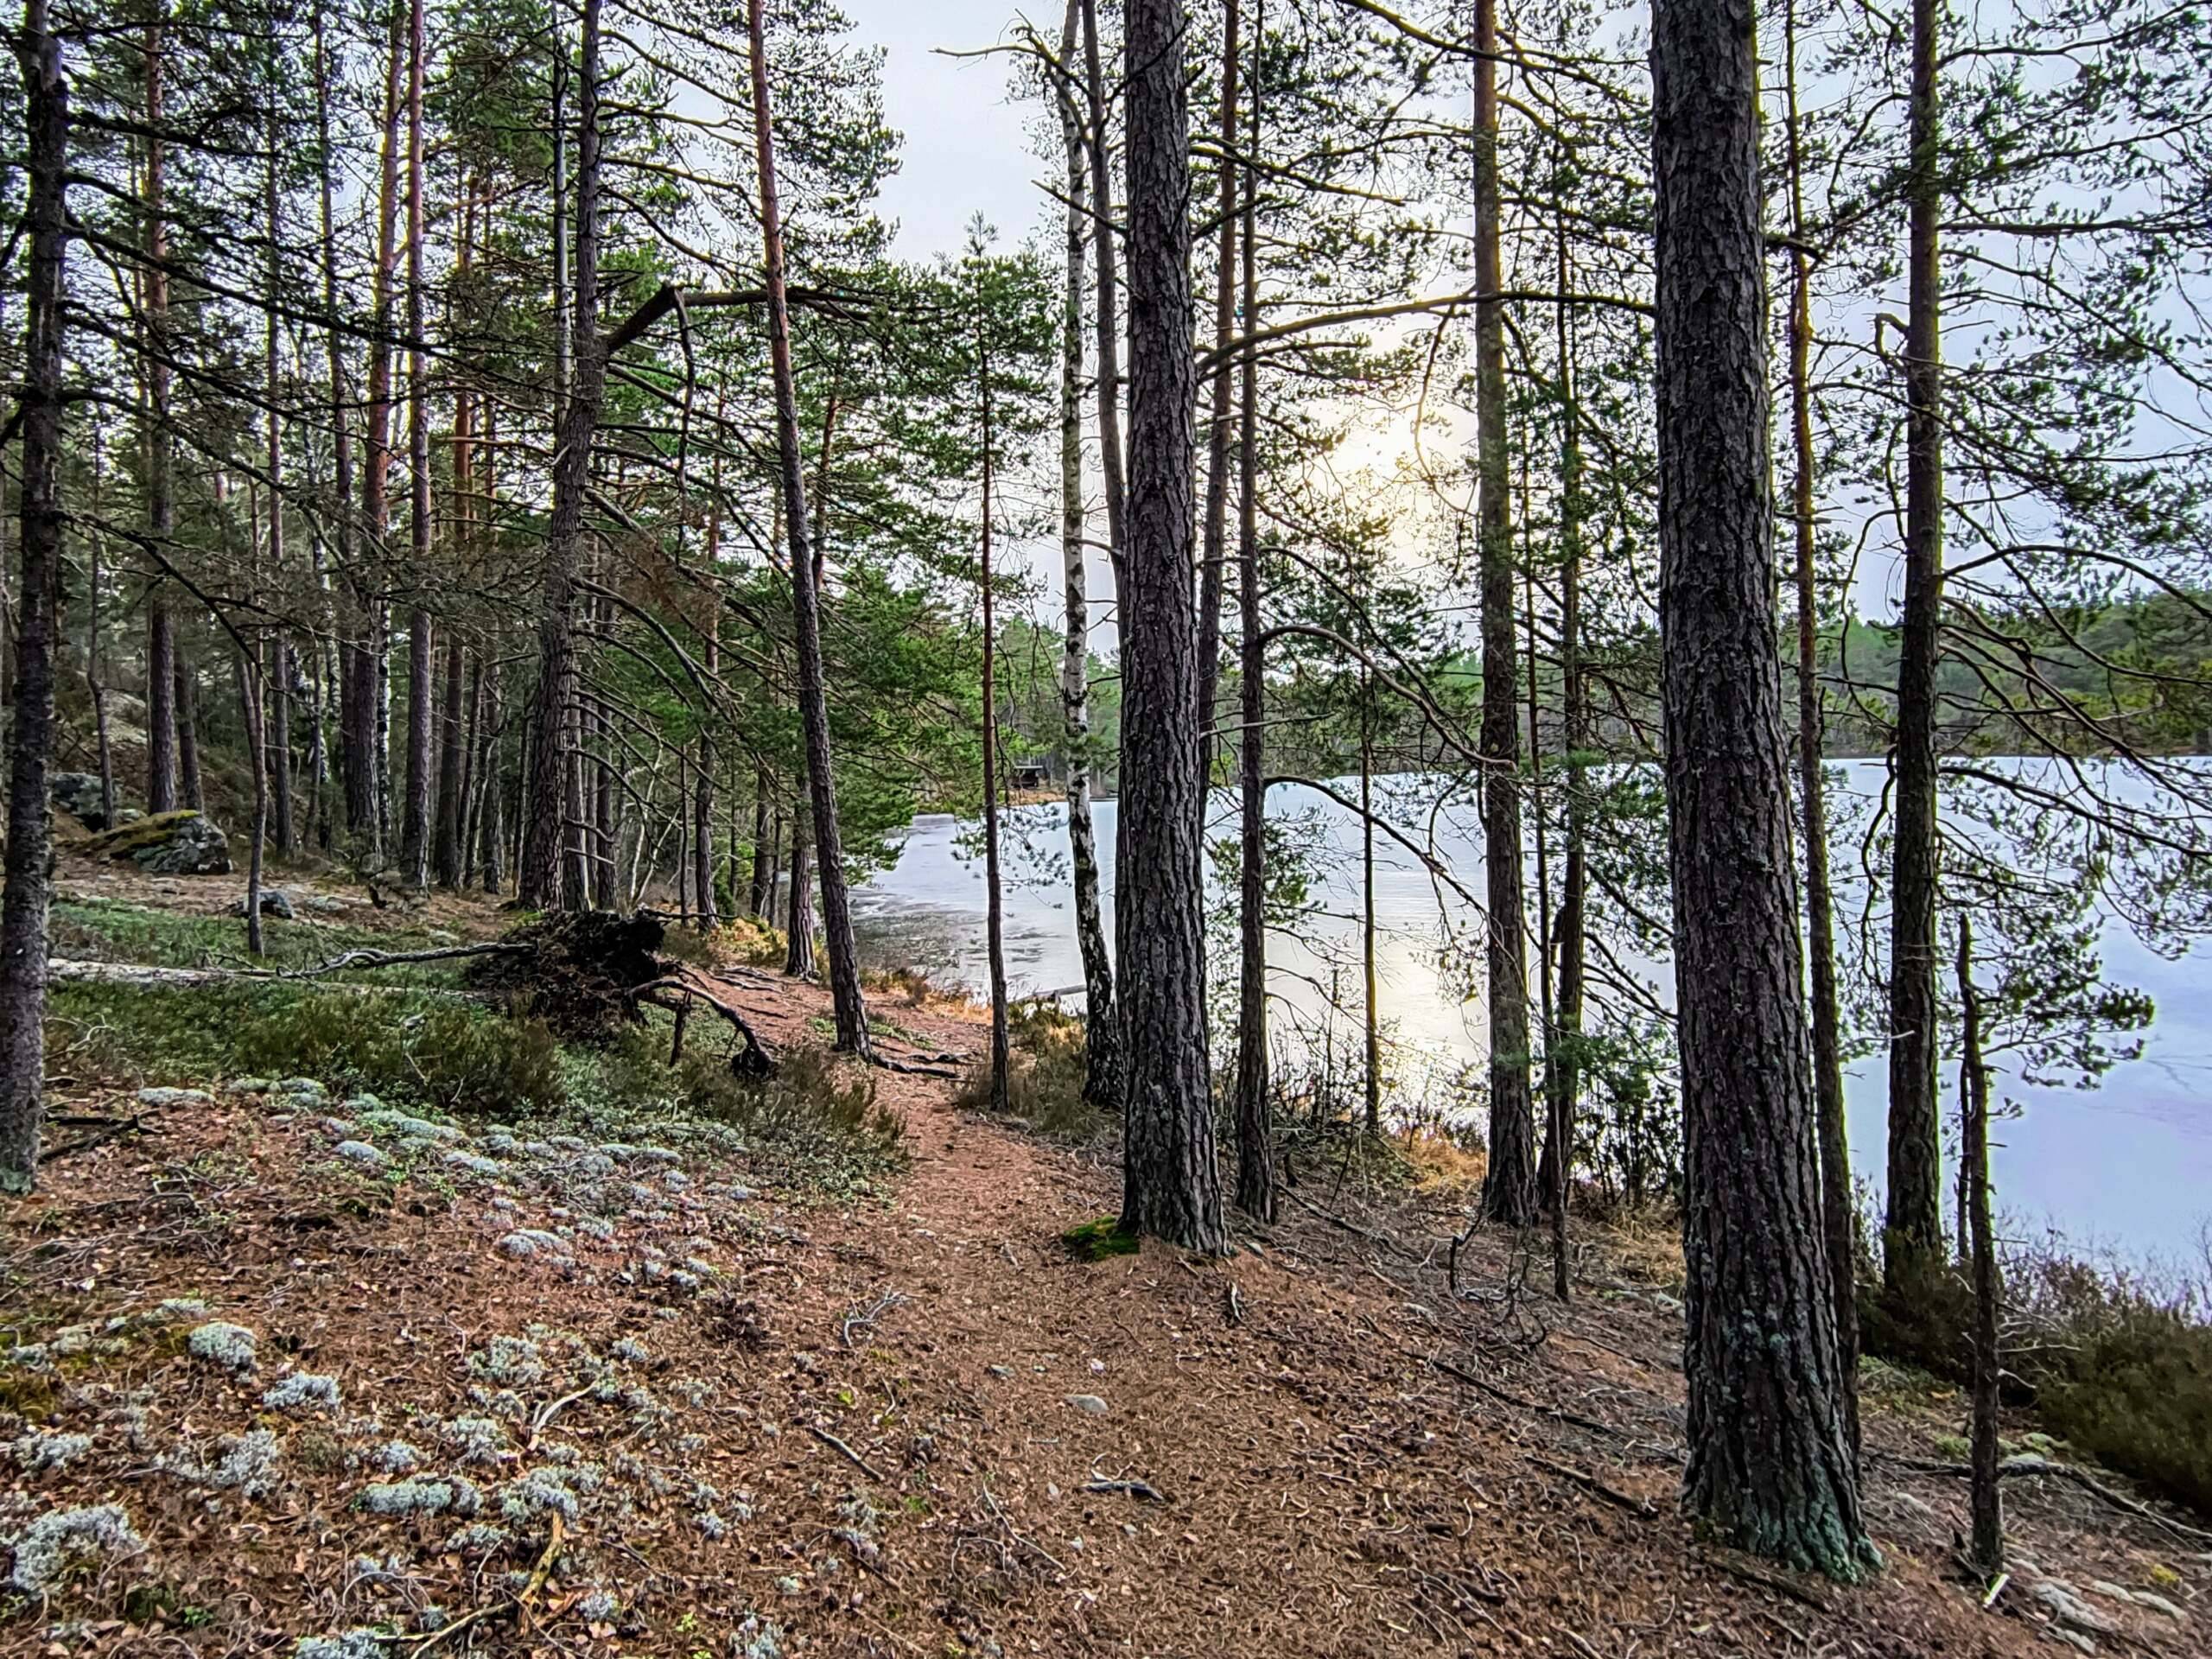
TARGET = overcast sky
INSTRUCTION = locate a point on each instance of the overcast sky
(966, 146)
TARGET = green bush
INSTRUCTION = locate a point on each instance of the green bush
(1044, 1083)
(2138, 1396)
(453, 1055)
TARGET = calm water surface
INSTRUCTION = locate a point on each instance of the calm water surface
(2125, 1167)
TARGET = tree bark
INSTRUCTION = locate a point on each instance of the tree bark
(1224, 318)
(799, 916)
(1771, 1469)
(764, 856)
(159, 456)
(1974, 1098)
(1912, 1245)
(187, 681)
(539, 877)
(995, 908)
(368, 724)
(415, 835)
(1820, 904)
(1510, 1186)
(850, 1008)
(277, 752)
(1171, 1183)
(29, 855)
(1256, 1154)
(1370, 981)
(1102, 1083)
(453, 761)
(1108, 321)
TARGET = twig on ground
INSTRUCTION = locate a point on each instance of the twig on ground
(866, 1321)
(1143, 1489)
(2027, 1463)
(1018, 1536)
(1583, 1477)
(1765, 1579)
(1383, 1240)
(846, 1452)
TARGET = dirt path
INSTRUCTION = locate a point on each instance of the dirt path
(764, 1427)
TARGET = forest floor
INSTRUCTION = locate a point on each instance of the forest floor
(594, 1394)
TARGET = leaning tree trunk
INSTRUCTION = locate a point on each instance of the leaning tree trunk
(1770, 1468)
(1256, 1157)
(538, 876)
(1812, 780)
(31, 829)
(1171, 1183)
(850, 1006)
(1102, 1083)
(1510, 1187)
(1912, 1246)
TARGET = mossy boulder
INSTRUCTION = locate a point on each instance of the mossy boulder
(168, 843)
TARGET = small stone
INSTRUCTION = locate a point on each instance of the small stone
(1001, 1371)
(2158, 1604)
(1089, 1404)
(364, 1154)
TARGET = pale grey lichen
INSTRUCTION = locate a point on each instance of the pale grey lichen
(527, 1242)
(542, 1491)
(163, 1099)
(301, 1088)
(477, 1440)
(758, 1637)
(407, 1127)
(360, 1643)
(513, 1360)
(64, 1539)
(399, 1458)
(413, 1497)
(499, 1143)
(469, 1164)
(630, 1348)
(220, 1343)
(246, 1464)
(596, 1227)
(39, 1453)
(303, 1390)
(711, 1526)
(480, 1537)
(362, 1154)
(432, 1618)
(598, 1607)
(175, 1310)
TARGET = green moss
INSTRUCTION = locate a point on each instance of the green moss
(1097, 1241)
(126, 839)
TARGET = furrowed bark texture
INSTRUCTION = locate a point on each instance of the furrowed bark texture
(31, 832)
(1510, 1187)
(1913, 1233)
(1172, 1186)
(1770, 1468)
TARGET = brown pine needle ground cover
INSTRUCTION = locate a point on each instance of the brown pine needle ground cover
(313, 1378)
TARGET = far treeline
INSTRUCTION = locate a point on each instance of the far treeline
(497, 444)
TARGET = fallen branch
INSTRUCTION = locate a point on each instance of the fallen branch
(751, 1061)
(518, 1605)
(111, 1129)
(2027, 1463)
(846, 1452)
(1590, 1482)
(1383, 1240)
(866, 1321)
(1765, 1579)
(1612, 1430)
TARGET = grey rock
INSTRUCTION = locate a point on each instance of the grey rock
(1090, 1404)
(2071, 1611)
(79, 793)
(364, 1155)
(166, 1097)
(275, 901)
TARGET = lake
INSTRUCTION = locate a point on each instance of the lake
(2125, 1168)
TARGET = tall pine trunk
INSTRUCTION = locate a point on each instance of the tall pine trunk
(849, 1007)
(1171, 1181)
(994, 897)
(29, 853)
(160, 449)
(367, 725)
(1510, 1186)
(1108, 323)
(415, 835)
(1216, 552)
(1102, 1083)
(548, 793)
(1988, 1542)
(1912, 1244)
(1812, 780)
(358, 787)
(1256, 1161)
(1771, 1467)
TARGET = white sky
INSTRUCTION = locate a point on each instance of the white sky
(966, 146)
